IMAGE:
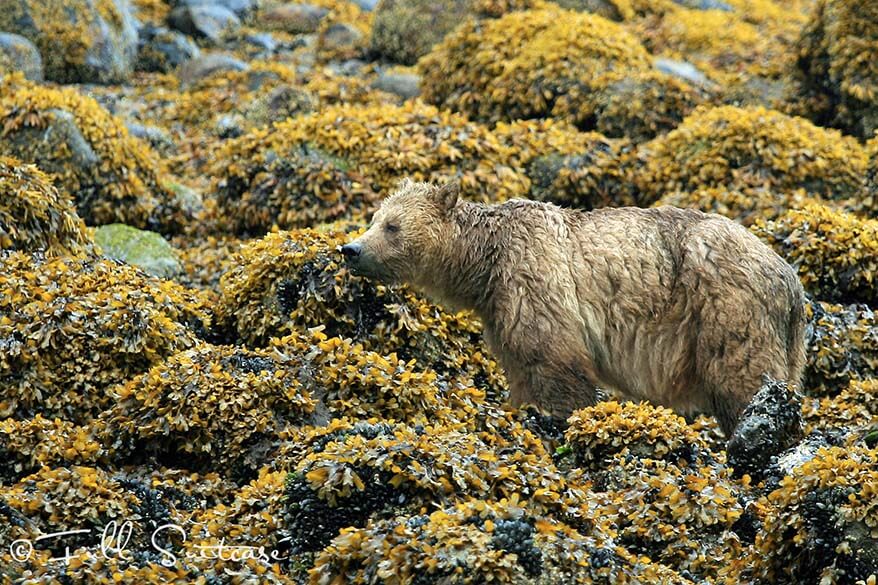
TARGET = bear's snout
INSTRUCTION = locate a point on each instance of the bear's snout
(352, 250)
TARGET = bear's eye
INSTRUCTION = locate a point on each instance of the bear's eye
(391, 228)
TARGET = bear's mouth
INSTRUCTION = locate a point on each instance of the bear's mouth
(362, 266)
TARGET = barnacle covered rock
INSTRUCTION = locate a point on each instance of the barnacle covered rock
(34, 215)
(27, 445)
(478, 541)
(837, 68)
(842, 347)
(71, 327)
(379, 145)
(835, 253)
(208, 408)
(820, 523)
(293, 281)
(753, 147)
(530, 64)
(770, 424)
(79, 40)
(598, 432)
(111, 176)
(355, 471)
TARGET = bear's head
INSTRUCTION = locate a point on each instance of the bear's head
(407, 232)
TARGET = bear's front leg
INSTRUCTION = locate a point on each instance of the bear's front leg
(557, 382)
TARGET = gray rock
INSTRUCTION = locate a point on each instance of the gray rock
(705, 5)
(282, 102)
(19, 54)
(605, 8)
(164, 50)
(340, 36)
(209, 22)
(348, 68)
(157, 137)
(683, 70)
(367, 5)
(230, 126)
(62, 133)
(239, 7)
(293, 18)
(147, 250)
(206, 65)
(91, 41)
(771, 424)
(405, 85)
(263, 41)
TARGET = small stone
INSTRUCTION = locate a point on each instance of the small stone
(683, 70)
(146, 250)
(239, 7)
(347, 68)
(405, 85)
(340, 36)
(294, 18)
(705, 5)
(157, 137)
(207, 65)
(367, 5)
(210, 22)
(85, 42)
(162, 50)
(263, 41)
(230, 126)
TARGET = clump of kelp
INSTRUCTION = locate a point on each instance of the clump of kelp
(331, 429)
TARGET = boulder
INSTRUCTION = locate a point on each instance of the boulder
(80, 41)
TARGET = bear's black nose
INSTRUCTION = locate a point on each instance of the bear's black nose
(351, 250)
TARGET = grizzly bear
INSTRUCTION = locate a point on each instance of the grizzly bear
(675, 306)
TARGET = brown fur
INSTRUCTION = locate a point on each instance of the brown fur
(678, 307)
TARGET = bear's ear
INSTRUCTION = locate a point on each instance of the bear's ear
(446, 195)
